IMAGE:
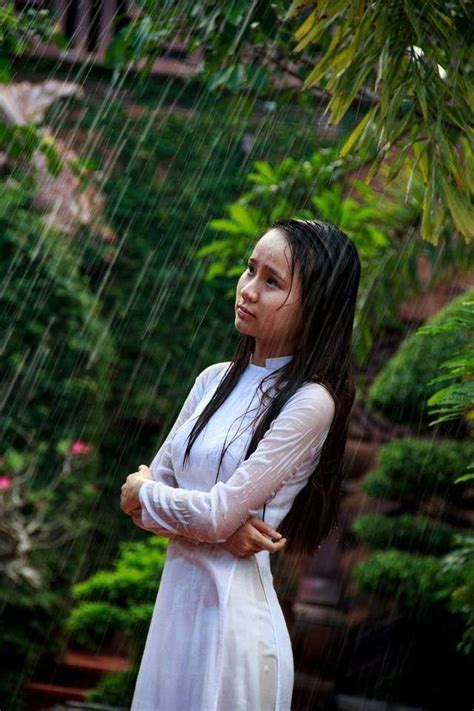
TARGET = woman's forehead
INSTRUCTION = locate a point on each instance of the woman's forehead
(273, 246)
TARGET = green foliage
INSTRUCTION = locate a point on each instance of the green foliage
(424, 567)
(424, 563)
(456, 399)
(119, 599)
(92, 622)
(19, 30)
(413, 470)
(21, 143)
(401, 60)
(121, 587)
(409, 379)
(115, 688)
(460, 562)
(52, 325)
(50, 367)
(159, 227)
(416, 534)
(414, 583)
(223, 29)
(403, 54)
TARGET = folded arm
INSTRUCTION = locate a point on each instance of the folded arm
(294, 438)
(162, 464)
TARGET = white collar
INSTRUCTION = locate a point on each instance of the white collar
(271, 363)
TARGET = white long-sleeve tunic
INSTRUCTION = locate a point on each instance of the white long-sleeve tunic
(218, 639)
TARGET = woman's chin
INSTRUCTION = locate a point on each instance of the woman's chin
(242, 327)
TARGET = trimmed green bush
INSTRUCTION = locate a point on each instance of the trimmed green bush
(120, 599)
(92, 623)
(416, 534)
(461, 561)
(412, 470)
(413, 583)
(401, 389)
(115, 688)
(122, 587)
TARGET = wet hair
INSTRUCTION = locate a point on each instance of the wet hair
(329, 269)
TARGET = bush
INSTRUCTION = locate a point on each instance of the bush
(120, 599)
(123, 587)
(53, 327)
(412, 470)
(115, 688)
(92, 623)
(401, 389)
(414, 583)
(461, 562)
(416, 534)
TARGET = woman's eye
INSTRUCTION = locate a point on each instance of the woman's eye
(250, 269)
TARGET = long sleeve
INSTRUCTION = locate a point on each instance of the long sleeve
(295, 437)
(162, 465)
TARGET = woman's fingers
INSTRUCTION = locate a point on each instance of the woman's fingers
(265, 528)
(265, 543)
(145, 470)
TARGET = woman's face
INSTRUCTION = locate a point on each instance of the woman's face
(262, 289)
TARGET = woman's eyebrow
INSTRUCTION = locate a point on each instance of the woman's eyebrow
(270, 269)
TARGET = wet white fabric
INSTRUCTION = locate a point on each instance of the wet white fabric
(217, 638)
(250, 629)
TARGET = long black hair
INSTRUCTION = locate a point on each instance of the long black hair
(329, 269)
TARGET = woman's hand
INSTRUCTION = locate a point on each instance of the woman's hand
(129, 500)
(252, 537)
(136, 516)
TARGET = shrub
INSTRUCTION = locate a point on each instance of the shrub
(92, 623)
(120, 599)
(115, 688)
(416, 534)
(401, 389)
(412, 470)
(414, 583)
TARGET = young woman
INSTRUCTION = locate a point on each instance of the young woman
(258, 444)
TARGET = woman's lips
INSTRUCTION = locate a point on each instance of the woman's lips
(244, 313)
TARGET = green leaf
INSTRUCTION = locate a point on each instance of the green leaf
(465, 477)
(461, 212)
(242, 215)
(307, 25)
(226, 226)
(297, 5)
(440, 395)
(358, 132)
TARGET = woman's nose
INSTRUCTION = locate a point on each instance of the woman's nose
(249, 292)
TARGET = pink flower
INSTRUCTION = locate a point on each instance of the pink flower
(80, 447)
(5, 482)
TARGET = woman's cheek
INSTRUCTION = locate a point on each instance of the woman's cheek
(240, 284)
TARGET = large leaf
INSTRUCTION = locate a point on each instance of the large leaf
(461, 211)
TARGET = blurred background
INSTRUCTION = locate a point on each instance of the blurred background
(143, 148)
